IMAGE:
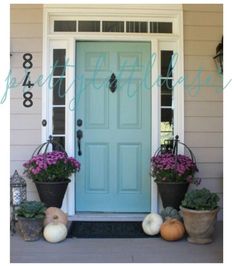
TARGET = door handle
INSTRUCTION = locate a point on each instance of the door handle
(79, 137)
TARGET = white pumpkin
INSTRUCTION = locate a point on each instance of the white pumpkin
(55, 232)
(152, 223)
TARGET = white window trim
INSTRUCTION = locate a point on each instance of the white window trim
(67, 41)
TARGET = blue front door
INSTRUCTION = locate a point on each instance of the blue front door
(113, 111)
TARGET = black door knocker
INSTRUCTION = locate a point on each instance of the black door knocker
(113, 83)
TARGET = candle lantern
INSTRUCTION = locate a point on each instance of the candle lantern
(18, 195)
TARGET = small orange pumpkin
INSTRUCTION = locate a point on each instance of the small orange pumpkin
(54, 214)
(172, 229)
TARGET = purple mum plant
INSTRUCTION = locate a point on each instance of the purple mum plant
(51, 167)
(169, 167)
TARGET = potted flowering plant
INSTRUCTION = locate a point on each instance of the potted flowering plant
(173, 173)
(50, 172)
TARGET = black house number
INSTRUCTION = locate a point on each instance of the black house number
(28, 95)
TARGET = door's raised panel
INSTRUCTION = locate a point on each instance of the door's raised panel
(129, 168)
(96, 61)
(129, 104)
(97, 167)
(96, 105)
(129, 61)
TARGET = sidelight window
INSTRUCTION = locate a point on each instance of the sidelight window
(167, 107)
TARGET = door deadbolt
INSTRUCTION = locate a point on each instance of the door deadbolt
(79, 122)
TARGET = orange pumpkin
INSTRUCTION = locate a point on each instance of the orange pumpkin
(54, 214)
(172, 229)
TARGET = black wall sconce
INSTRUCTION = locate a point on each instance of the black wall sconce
(219, 57)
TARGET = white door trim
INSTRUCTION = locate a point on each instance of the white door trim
(67, 41)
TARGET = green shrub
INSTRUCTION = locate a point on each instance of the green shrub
(31, 209)
(200, 199)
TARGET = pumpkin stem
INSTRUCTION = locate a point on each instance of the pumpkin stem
(55, 217)
(168, 218)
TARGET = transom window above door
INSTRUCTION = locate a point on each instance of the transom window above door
(113, 26)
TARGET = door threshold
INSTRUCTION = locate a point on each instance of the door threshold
(107, 217)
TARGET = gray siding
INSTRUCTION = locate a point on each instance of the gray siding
(203, 29)
(26, 37)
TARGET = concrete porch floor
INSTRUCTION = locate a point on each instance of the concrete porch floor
(135, 250)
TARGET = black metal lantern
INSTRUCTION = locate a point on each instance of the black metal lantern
(18, 195)
(219, 57)
(18, 189)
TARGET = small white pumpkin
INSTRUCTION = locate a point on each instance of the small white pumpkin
(55, 232)
(152, 223)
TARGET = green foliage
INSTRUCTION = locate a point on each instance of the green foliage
(31, 209)
(171, 213)
(200, 199)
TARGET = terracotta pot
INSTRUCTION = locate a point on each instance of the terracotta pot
(52, 193)
(200, 225)
(30, 228)
(172, 193)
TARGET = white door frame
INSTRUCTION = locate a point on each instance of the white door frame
(67, 41)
